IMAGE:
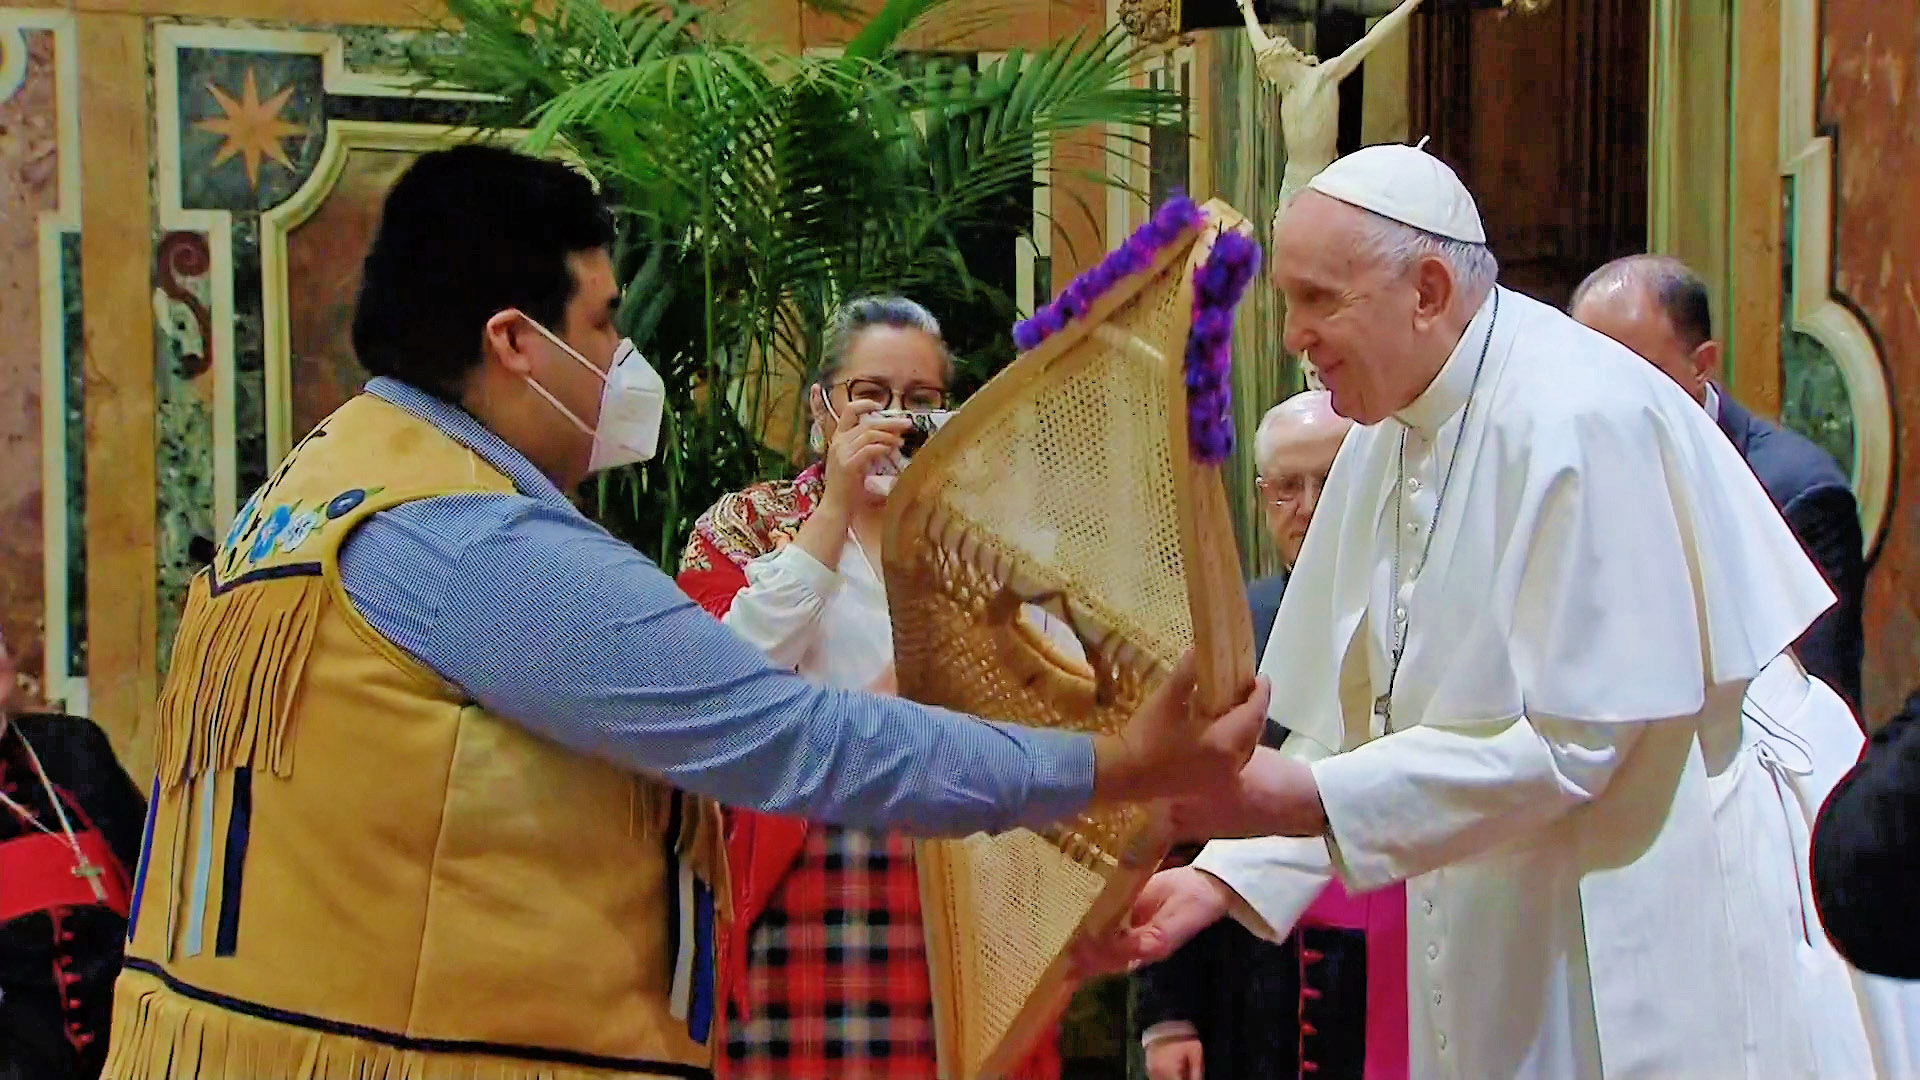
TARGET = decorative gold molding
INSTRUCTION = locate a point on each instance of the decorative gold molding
(1151, 22)
(395, 13)
(1807, 158)
(1751, 326)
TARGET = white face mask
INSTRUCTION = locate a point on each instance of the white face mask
(633, 401)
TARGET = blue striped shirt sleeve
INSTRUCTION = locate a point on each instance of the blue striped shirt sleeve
(546, 619)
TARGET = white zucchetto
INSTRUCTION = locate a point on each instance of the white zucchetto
(1405, 184)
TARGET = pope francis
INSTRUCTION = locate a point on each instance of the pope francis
(1513, 655)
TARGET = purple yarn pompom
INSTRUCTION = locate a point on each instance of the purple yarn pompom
(1165, 227)
(1209, 359)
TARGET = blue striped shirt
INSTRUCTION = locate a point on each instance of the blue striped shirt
(547, 620)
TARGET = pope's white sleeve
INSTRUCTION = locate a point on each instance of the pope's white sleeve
(1428, 796)
(1274, 878)
(779, 610)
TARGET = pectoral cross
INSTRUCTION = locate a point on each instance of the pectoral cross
(85, 868)
(1383, 705)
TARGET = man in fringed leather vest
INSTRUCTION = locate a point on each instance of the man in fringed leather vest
(438, 757)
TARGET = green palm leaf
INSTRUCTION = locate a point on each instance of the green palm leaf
(757, 190)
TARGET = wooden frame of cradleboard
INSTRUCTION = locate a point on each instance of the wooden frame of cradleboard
(967, 551)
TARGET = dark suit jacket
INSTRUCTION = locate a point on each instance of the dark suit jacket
(1866, 853)
(1263, 596)
(1243, 994)
(1814, 496)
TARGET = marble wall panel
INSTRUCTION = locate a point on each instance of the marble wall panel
(324, 256)
(183, 391)
(29, 185)
(1872, 50)
(243, 119)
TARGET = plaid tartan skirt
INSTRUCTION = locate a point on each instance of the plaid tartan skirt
(837, 982)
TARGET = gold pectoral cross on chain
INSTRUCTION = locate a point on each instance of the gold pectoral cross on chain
(85, 868)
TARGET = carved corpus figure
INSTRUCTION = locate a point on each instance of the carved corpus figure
(1310, 91)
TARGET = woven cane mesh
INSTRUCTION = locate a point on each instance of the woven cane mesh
(1064, 499)
(1038, 897)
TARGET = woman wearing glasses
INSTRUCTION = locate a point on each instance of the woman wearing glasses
(825, 972)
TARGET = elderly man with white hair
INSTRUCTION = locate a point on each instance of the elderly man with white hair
(1293, 451)
(1513, 657)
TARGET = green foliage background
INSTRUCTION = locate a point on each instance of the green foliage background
(757, 190)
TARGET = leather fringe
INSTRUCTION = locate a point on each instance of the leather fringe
(158, 1035)
(702, 841)
(237, 665)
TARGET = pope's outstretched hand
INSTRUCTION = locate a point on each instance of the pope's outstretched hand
(1175, 905)
(1275, 795)
(1166, 751)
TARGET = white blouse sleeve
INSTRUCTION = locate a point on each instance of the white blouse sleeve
(779, 610)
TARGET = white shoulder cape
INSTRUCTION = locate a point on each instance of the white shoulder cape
(1605, 554)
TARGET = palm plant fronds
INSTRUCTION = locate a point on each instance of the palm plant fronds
(757, 190)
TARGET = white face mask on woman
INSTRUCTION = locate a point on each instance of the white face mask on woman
(633, 401)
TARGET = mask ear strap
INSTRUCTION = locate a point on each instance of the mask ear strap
(563, 410)
(566, 348)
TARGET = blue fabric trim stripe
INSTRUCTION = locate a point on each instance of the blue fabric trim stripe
(216, 587)
(146, 856)
(643, 1066)
(700, 1011)
(233, 867)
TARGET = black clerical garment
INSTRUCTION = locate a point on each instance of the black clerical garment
(60, 946)
(1866, 853)
(1294, 1009)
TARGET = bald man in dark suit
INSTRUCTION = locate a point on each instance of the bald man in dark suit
(1657, 307)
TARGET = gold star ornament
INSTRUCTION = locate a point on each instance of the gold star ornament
(251, 128)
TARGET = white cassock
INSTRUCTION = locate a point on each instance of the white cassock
(1606, 579)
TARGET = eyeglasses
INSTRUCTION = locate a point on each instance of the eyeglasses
(912, 399)
(1289, 489)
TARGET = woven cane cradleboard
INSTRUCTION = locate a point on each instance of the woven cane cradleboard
(1066, 485)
